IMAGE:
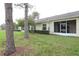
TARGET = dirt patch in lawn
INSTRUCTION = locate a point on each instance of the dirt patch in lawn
(20, 51)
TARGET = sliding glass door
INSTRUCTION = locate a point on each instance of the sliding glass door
(63, 27)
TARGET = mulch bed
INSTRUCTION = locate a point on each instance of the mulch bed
(19, 51)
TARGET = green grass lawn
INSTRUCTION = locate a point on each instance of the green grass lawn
(42, 44)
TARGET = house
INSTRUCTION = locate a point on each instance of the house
(65, 24)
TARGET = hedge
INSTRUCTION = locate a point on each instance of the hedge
(39, 31)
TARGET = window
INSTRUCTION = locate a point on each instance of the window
(44, 26)
(71, 26)
(57, 27)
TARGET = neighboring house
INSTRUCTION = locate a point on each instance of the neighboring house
(31, 27)
(65, 24)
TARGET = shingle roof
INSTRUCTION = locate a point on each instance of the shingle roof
(62, 16)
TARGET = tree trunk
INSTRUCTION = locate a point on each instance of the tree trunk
(26, 22)
(10, 46)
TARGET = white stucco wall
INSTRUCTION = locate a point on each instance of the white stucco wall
(40, 26)
(51, 30)
(77, 26)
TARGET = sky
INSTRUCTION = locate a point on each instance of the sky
(46, 8)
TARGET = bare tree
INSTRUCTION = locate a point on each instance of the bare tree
(10, 46)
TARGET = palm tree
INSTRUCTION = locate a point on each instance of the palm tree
(35, 15)
(26, 22)
(10, 46)
(26, 31)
